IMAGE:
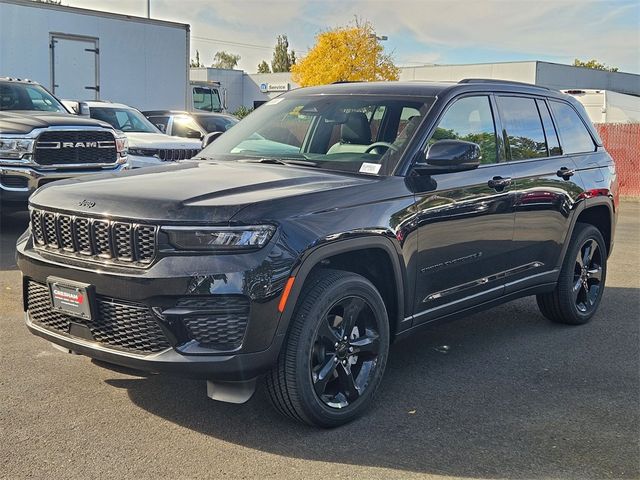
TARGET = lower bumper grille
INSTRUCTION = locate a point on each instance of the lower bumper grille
(120, 326)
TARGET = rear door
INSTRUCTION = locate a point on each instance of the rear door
(465, 219)
(74, 67)
(546, 187)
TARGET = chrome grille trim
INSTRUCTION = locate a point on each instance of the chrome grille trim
(95, 239)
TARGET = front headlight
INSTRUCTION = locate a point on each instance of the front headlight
(220, 238)
(15, 148)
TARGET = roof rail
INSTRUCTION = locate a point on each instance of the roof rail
(496, 80)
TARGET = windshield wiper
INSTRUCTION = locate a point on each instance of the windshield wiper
(277, 161)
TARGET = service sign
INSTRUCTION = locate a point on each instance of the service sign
(274, 87)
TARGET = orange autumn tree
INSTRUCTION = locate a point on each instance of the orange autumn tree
(345, 54)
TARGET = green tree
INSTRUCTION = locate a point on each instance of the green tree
(196, 62)
(263, 67)
(282, 58)
(594, 64)
(226, 60)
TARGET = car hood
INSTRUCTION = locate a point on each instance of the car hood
(160, 140)
(23, 122)
(189, 191)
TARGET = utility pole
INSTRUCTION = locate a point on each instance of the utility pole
(148, 8)
(381, 38)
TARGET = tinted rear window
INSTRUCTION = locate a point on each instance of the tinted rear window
(574, 135)
(522, 123)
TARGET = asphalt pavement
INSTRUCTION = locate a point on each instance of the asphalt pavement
(500, 394)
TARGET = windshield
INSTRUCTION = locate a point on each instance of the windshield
(357, 133)
(206, 99)
(25, 96)
(125, 119)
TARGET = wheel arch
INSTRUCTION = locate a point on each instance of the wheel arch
(345, 255)
(596, 211)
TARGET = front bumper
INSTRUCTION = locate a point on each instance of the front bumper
(26, 179)
(160, 289)
(232, 368)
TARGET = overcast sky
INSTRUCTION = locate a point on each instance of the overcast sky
(419, 31)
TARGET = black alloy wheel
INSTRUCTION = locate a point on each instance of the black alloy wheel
(334, 356)
(580, 285)
(345, 352)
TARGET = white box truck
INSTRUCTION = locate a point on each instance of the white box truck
(605, 106)
(84, 54)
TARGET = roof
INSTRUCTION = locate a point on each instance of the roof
(182, 112)
(419, 88)
(18, 80)
(103, 104)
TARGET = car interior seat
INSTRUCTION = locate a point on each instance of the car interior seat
(355, 135)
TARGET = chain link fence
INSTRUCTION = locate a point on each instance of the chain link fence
(622, 141)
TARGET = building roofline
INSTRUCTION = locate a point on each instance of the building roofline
(97, 13)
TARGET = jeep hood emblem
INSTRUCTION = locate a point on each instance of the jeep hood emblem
(87, 204)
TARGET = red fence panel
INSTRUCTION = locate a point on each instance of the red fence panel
(622, 141)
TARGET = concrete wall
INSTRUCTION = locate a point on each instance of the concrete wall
(143, 62)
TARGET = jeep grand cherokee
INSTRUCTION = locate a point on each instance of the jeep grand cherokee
(329, 223)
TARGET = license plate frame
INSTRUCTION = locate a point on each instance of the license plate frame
(75, 299)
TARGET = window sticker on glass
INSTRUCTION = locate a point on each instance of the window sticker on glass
(372, 168)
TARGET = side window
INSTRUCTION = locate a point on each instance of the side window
(523, 127)
(574, 135)
(470, 119)
(160, 123)
(549, 130)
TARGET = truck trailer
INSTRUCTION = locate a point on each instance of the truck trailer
(605, 106)
(85, 54)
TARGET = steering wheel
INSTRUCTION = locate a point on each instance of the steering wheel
(376, 145)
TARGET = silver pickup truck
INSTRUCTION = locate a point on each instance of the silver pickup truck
(40, 142)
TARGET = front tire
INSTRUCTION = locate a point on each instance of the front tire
(581, 282)
(334, 357)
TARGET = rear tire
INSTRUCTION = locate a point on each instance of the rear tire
(335, 353)
(582, 278)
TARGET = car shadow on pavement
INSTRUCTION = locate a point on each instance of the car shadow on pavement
(500, 394)
(12, 225)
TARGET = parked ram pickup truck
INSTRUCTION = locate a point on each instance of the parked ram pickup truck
(40, 142)
(327, 224)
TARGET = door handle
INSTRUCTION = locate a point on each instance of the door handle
(565, 173)
(499, 183)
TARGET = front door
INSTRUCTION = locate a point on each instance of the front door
(465, 219)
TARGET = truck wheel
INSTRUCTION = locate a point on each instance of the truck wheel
(334, 356)
(581, 282)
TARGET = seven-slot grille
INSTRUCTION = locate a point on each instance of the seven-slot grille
(120, 325)
(74, 147)
(93, 238)
(166, 154)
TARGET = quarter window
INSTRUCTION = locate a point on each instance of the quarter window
(470, 119)
(549, 130)
(574, 135)
(523, 127)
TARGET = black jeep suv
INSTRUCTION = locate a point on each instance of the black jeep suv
(329, 223)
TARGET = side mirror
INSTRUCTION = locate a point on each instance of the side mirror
(209, 138)
(162, 127)
(194, 134)
(446, 156)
